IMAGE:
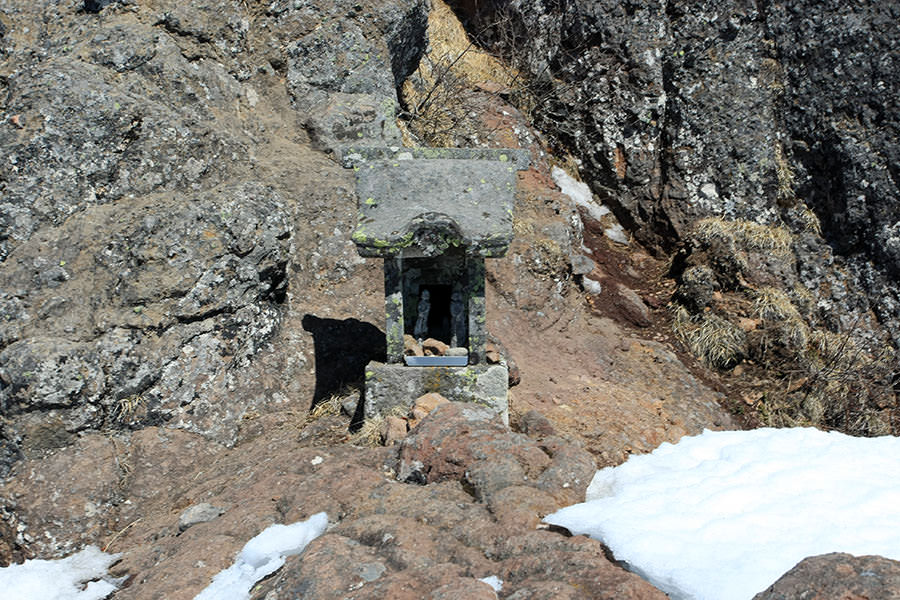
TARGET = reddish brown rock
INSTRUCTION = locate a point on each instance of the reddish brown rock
(838, 576)
(456, 436)
(411, 347)
(423, 406)
(433, 347)
(464, 589)
(393, 430)
(467, 443)
(539, 558)
(534, 424)
(521, 506)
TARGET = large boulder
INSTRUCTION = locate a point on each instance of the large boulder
(468, 443)
(838, 575)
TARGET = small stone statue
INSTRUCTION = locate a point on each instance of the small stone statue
(458, 325)
(421, 328)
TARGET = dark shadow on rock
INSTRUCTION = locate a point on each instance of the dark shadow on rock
(343, 349)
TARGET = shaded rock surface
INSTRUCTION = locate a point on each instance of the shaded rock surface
(838, 576)
(774, 117)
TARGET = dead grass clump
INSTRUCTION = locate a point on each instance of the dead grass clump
(744, 235)
(837, 385)
(372, 430)
(716, 341)
(772, 304)
(448, 38)
(330, 407)
(810, 220)
(784, 173)
(369, 433)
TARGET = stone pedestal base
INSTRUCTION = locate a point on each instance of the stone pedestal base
(390, 385)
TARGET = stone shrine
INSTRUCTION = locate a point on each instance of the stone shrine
(434, 215)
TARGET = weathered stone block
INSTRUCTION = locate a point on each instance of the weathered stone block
(390, 385)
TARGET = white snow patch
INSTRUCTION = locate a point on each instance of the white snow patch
(261, 556)
(579, 192)
(493, 581)
(617, 234)
(721, 516)
(591, 286)
(62, 579)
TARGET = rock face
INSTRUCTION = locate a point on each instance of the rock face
(838, 576)
(685, 111)
(146, 236)
(774, 119)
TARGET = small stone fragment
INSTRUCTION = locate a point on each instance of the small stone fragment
(394, 430)
(411, 347)
(457, 352)
(632, 306)
(433, 347)
(349, 404)
(536, 425)
(198, 513)
(423, 406)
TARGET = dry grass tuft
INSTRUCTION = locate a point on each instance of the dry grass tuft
(448, 40)
(745, 235)
(810, 220)
(715, 340)
(772, 304)
(371, 432)
(836, 385)
(329, 407)
(784, 172)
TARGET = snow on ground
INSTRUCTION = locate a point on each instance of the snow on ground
(579, 192)
(261, 556)
(493, 581)
(62, 579)
(722, 515)
(581, 195)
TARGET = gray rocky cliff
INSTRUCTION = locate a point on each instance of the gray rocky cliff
(146, 237)
(759, 140)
